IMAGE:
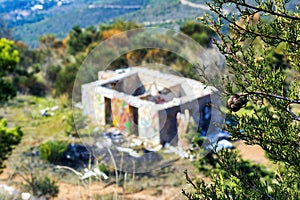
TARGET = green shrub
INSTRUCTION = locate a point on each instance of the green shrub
(75, 117)
(42, 187)
(103, 168)
(8, 139)
(192, 132)
(52, 150)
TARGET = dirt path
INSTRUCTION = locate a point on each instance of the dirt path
(194, 5)
(69, 191)
(253, 153)
(97, 191)
(163, 189)
(201, 6)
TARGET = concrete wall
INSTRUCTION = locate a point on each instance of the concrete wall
(168, 127)
(156, 122)
(148, 123)
(120, 114)
(88, 100)
(99, 109)
(195, 107)
(129, 85)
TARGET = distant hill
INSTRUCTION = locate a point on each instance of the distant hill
(30, 19)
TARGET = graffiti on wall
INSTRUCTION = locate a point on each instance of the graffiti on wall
(148, 123)
(120, 114)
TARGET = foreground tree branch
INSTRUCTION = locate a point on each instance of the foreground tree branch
(263, 56)
(288, 106)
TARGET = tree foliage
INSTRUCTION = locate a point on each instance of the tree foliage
(9, 57)
(53, 150)
(79, 39)
(65, 78)
(43, 187)
(8, 138)
(263, 55)
(52, 68)
(199, 32)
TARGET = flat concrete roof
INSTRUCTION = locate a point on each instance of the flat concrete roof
(190, 89)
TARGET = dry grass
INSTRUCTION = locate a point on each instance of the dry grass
(24, 111)
(162, 184)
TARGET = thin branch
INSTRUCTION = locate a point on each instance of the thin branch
(234, 173)
(237, 27)
(235, 57)
(264, 10)
(260, 140)
(292, 113)
(69, 168)
(189, 180)
(185, 193)
(290, 101)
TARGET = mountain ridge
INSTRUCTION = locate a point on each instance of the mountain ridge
(32, 19)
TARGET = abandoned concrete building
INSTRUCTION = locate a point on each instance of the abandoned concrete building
(146, 102)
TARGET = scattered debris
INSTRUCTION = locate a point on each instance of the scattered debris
(130, 151)
(78, 105)
(127, 159)
(25, 196)
(45, 112)
(10, 190)
(94, 173)
(114, 137)
(225, 144)
(177, 150)
(153, 149)
(121, 71)
(54, 108)
(77, 156)
(136, 142)
(219, 136)
(221, 144)
(87, 173)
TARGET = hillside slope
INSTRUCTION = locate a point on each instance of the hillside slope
(31, 19)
